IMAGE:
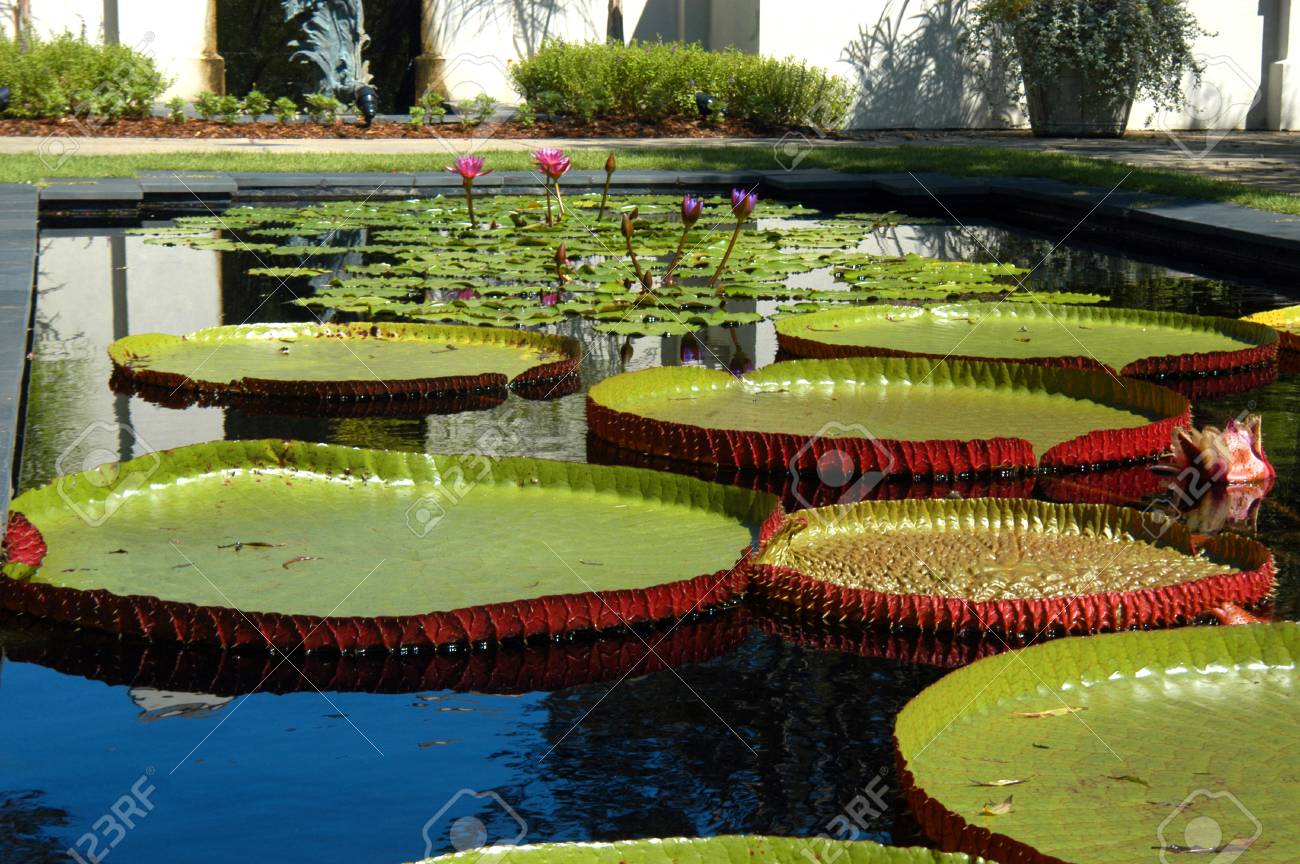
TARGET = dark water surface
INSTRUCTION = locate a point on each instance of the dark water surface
(377, 758)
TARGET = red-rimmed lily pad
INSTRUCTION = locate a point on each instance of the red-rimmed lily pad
(727, 849)
(548, 665)
(1128, 748)
(1285, 321)
(1007, 565)
(290, 544)
(1134, 341)
(343, 361)
(905, 416)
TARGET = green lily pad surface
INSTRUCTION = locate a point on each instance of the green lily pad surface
(330, 532)
(1285, 321)
(709, 850)
(890, 399)
(330, 359)
(1120, 749)
(1117, 338)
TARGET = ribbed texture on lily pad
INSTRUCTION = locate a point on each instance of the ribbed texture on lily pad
(797, 334)
(1247, 578)
(131, 357)
(149, 617)
(1072, 808)
(612, 415)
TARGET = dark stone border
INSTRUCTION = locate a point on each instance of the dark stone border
(1223, 237)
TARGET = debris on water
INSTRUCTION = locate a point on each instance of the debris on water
(1000, 809)
(1015, 782)
(1050, 712)
(182, 566)
(1129, 778)
(118, 552)
(256, 544)
(592, 563)
(284, 350)
(78, 569)
(1022, 339)
(286, 564)
(1041, 746)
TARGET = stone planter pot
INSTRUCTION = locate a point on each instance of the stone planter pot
(1068, 106)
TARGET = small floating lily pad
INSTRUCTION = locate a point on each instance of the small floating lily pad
(1285, 321)
(344, 361)
(1011, 565)
(1133, 341)
(286, 543)
(1134, 747)
(888, 415)
(751, 849)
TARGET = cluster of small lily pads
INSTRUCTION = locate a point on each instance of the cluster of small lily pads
(645, 265)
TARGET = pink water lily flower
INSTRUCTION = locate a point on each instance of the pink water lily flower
(1233, 455)
(469, 167)
(552, 162)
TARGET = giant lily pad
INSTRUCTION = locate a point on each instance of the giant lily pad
(707, 850)
(347, 361)
(1131, 748)
(1134, 341)
(1011, 565)
(288, 544)
(1285, 321)
(887, 415)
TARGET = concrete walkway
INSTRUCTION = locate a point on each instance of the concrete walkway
(1270, 160)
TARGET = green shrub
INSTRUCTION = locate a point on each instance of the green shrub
(525, 114)
(651, 81)
(207, 105)
(255, 104)
(323, 108)
(416, 116)
(228, 108)
(68, 76)
(176, 109)
(434, 110)
(284, 109)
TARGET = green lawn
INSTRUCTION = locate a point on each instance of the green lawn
(961, 161)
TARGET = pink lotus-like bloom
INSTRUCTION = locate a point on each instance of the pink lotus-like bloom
(692, 208)
(550, 298)
(1233, 455)
(552, 162)
(469, 167)
(743, 203)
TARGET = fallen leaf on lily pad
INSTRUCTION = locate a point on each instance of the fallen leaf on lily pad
(999, 782)
(1050, 712)
(1000, 809)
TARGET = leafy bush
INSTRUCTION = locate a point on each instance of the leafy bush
(176, 109)
(1116, 45)
(323, 108)
(228, 108)
(284, 109)
(431, 103)
(68, 76)
(651, 81)
(255, 104)
(207, 105)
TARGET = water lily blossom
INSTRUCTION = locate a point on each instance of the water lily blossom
(1230, 456)
(469, 168)
(553, 164)
(692, 208)
(610, 164)
(742, 207)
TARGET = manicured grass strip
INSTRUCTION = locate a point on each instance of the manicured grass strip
(958, 161)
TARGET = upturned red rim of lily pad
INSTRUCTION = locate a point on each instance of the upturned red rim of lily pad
(614, 414)
(1245, 578)
(135, 361)
(44, 515)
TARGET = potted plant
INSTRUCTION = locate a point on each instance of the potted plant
(1083, 62)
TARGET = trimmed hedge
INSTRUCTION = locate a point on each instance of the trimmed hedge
(67, 75)
(654, 80)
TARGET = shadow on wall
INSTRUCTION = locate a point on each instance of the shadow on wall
(914, 74)
(529, 22)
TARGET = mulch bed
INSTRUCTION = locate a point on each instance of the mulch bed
(160, 127)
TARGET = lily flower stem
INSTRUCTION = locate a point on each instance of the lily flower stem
(731, 244)
(547, 183)
(677, 256)
(604, 196)
(469, 203)
(558, 199)
(636, 265)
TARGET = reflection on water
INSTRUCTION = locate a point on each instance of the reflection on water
(764, 726)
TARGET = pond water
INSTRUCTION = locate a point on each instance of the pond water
(760, 729)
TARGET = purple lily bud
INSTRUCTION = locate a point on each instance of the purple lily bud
(692, 207)
(743, 203)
